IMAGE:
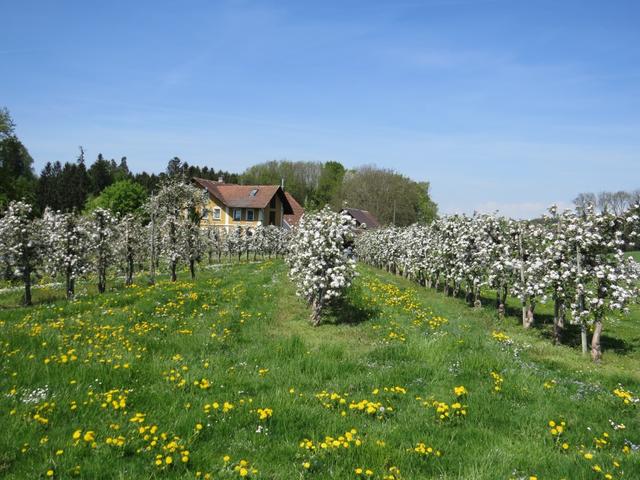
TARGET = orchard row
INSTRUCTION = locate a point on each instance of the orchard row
(574, 259)
(167, 234)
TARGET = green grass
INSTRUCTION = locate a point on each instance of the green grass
(635, 255)
(240, 332)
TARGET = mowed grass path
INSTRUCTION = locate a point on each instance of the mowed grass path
(118, 385)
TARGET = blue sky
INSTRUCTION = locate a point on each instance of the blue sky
(506, 104)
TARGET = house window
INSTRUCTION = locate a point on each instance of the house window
(237, 214)
(216, 213)
(272, 203)
(205, 213)
(250, 215)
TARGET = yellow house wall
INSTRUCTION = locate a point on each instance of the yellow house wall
(224, 218)
(226, 214)
(278, 209)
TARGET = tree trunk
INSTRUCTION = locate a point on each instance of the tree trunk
(173, 271)
(102, 276)
(530, 317)
(477, 303)
(192, 268)
(527, 313)
(26, 276)
(316, 312)
(583, 326)
(561, 319)
(129, 279)
(501, 299)
(583, 338)
(596, 348)
(558, 321)
(152, 266)
(530, 313)
(70, 285)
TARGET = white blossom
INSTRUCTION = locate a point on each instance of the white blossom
(319, 263)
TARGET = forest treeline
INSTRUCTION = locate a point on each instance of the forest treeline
(109, 183)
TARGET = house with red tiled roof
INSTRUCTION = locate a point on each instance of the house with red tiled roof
(291, 220)
(245, 205)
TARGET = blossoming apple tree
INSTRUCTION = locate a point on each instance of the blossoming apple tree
(129, 244)
(179, 207)
(319, 264)
(68, 247)
(102, 231)
(22, 242)
(607, 280)
(575, 260)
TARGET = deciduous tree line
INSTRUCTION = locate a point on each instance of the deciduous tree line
(168, 234)
(614, 202)
(391, 197)
(574, 259)
(77, 185)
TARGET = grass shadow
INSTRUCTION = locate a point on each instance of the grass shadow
(352, 309)
(571, 337)
(15, 302)
(542, 319)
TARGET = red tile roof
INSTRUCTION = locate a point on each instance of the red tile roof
(363, 216)
(244, 196)
(294, 218)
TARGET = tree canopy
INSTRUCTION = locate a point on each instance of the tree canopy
(329, 185)
(107, 183)
(390, 196)
(17, 179)
(122, 197)
(300, 178)
(6, 123)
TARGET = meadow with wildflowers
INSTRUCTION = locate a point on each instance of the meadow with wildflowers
(223, 377)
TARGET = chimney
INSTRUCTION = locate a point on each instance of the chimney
(282, 183)
(220, 179)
